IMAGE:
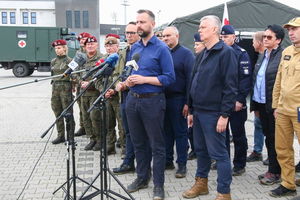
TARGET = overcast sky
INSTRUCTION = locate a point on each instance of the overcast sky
(111, 11)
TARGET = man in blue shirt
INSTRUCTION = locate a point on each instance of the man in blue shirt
(146, 104)
(212, 97)
(239, 115)
(176, 107)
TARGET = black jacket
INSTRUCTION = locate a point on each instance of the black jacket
(214, 80)
(270, 77)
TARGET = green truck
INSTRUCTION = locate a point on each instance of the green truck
(25, 49)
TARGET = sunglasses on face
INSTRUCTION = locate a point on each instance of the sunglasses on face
(269, 37)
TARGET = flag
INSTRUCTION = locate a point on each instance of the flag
(225, 20)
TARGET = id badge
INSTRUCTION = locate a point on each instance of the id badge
(298, 111)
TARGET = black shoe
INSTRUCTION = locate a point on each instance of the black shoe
(181, 172)
(169, 165)
(137, 184)
(111, 150)
(254, 157)
(158, 193)
(282, 191)
(297, 167)
(97, 146)
(238, 171)
(192, 155)
(123, 169)
(90, 145)
(58, 140)
(266, 162)
(80, 132)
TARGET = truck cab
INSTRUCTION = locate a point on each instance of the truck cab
(29, 48)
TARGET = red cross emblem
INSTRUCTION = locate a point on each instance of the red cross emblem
(22, 43)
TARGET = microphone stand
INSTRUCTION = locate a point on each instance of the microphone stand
(100, 103)
(38, 80)
(71, 144)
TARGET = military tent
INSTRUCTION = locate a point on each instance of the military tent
(247, 17)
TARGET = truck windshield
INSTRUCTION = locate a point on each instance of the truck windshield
(74, 44)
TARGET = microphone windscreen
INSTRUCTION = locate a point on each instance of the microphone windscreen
(80, 58)
(136, 57)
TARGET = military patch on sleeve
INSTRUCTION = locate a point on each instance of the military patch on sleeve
(287, 57)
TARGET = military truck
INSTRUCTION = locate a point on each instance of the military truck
(25, 49)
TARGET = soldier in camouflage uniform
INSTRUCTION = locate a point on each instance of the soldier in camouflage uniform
(113, 103)
(92, 120)
(61, 88)
(82, 38)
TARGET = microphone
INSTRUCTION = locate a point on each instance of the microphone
(78, 60)
(99, 64)
(130, 65)
(108, 67)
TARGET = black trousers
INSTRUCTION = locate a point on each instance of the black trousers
(268, 124)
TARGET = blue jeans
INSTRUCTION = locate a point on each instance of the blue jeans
(209, 144)
(145, 120)
(258, 136)
(129, 154)
(176, 130)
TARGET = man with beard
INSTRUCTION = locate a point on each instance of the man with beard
(146, 104)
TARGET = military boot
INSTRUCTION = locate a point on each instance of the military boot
(111, 150)
(90, 145)
(59, 140)
(80, 132)
(199, 188)
(223, 196)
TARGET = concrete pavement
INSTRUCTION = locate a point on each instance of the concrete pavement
(25, 113)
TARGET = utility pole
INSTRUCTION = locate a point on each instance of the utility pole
(125, 4)
(158, 17)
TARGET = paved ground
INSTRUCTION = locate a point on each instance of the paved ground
(25, 114)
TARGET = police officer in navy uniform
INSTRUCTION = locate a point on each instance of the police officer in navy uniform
(239, 116)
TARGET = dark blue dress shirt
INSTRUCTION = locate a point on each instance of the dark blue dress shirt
(155, 61)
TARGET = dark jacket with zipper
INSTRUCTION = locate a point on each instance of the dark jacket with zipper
(214, 80)
(270, 76)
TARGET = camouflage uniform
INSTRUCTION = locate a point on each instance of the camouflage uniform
(113, 113)
(79, 100)
(92, 120)
(61, 92)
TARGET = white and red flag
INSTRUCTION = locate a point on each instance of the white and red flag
(225, 20)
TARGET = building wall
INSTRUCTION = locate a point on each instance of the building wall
(39, 13)
(59, 9)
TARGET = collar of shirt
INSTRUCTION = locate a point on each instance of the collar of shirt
(175, 48)
(152, 40)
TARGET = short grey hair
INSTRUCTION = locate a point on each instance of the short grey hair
(216, 21)
(174, 29)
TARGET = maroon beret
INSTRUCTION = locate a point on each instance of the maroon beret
(59, 42)
(83, 35)
(112, 35)
(91, 39)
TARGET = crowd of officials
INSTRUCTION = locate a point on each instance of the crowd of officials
(193, 100)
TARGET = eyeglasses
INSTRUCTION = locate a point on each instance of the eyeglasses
(130, 33)
(269, 37)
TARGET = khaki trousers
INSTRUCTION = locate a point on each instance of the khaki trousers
(285, 127)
